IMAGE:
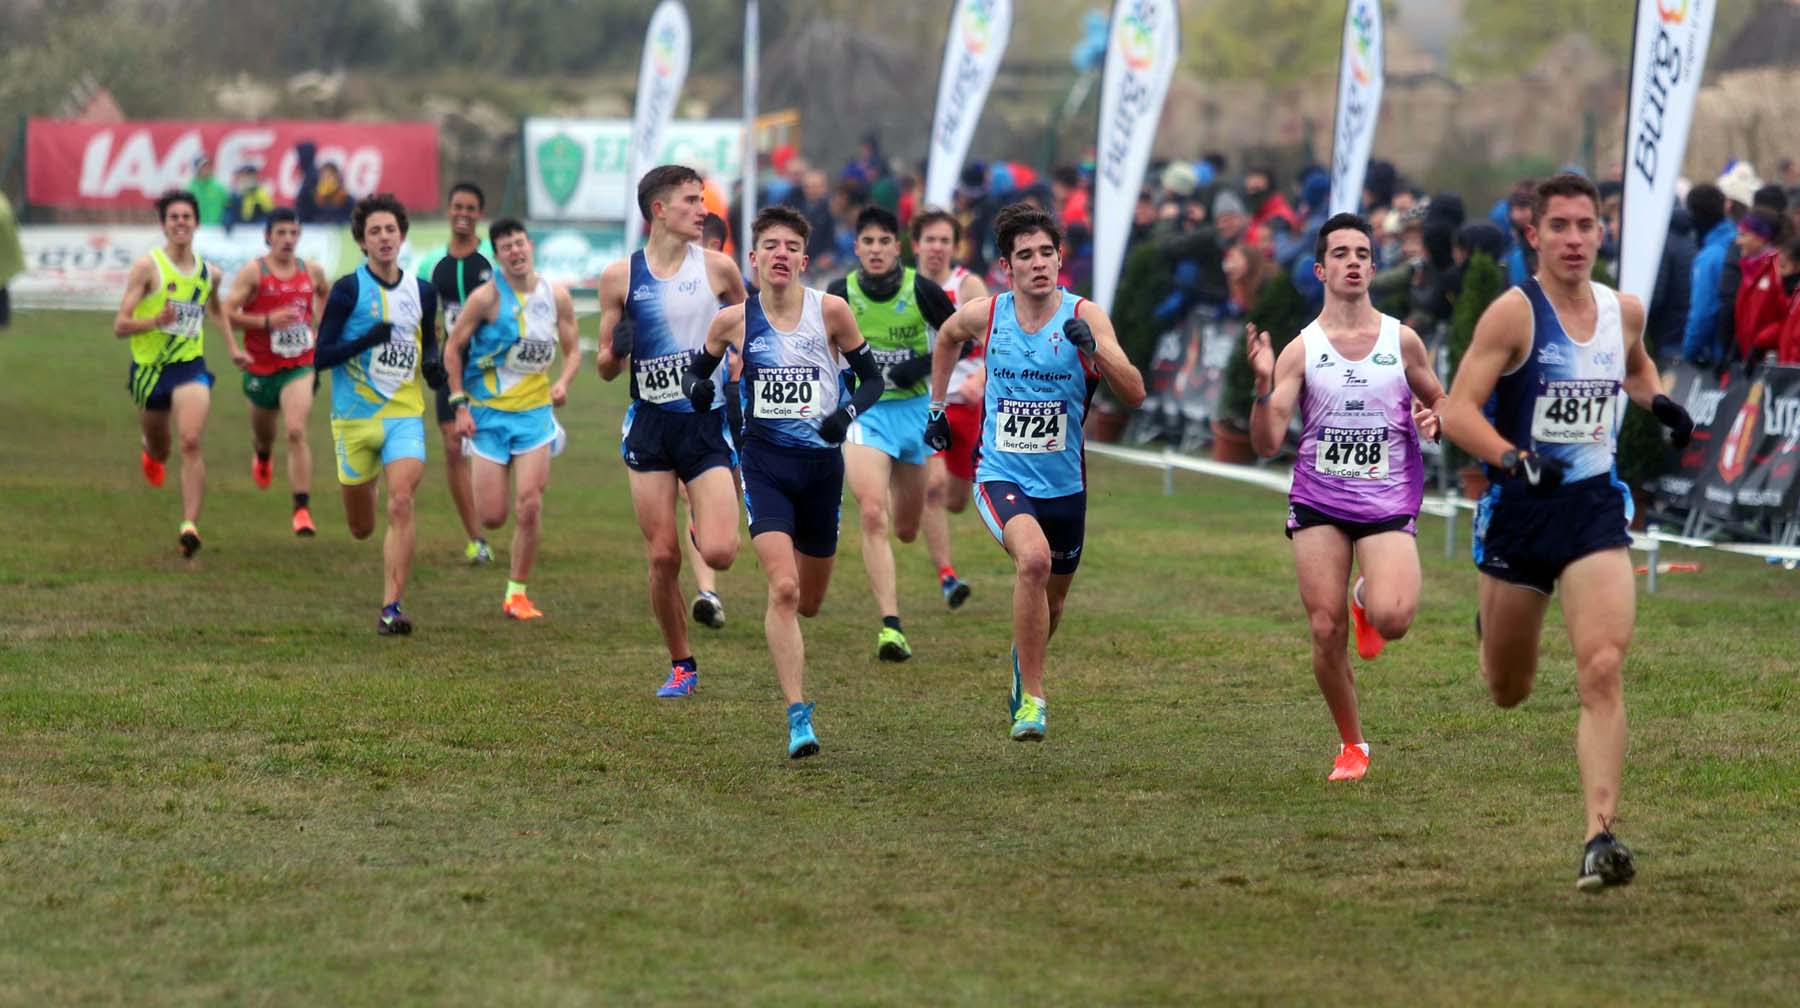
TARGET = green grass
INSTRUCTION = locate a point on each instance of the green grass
(218, 785)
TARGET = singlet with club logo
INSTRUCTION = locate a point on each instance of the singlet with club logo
(289, 346)
(383, 381)
(895, 328)
(1359, 450)
(510, 357)
(1037, 395)
(181, 340)
(1564, 400)
(970, 363)
(670, 318)
(791, 380)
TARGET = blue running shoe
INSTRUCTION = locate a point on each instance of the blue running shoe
(801, 740)
(682, 681)
(1018, 689)
(955, 589)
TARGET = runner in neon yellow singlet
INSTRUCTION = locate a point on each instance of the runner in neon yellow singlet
(169, 293)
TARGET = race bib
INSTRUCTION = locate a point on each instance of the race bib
(787, 393)
(393, 364)
(1359, 453)
(529, 356)
(188, 316)
(1574, 412)
(1031, 427)
(659, 378)
(291, 341)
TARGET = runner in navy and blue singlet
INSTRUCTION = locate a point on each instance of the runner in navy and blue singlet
(1047, 350)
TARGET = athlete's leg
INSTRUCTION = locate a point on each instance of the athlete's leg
(188, 406)
(1056, 592)
(1600, 608)
(653, 498)
(531, 473)
(907, 487)
(936, 518)
(1032, 619)
(262, 429)
(462, 489)
(1322, 557)
(1512, 619)
(403, 476)
(815, 577)
(712, 500)
(296, 407)
(487, 479)
(781, 623)
(1389, 562)
(867, 471)
(153, 425)
(705, 578)
(359, 509)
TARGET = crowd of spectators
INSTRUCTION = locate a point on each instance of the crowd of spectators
(247, 200)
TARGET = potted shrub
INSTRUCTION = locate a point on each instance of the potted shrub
(1280, 309)
(1483, 281)
(1143, 284)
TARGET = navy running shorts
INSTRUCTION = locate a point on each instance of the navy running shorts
(658, 440)
(1526, 538)
(799, 491)
(1063, 519)
(1300, 516)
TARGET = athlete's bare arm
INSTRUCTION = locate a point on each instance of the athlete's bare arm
(1121, 376)
(1276, 386)
(215, 306)
(613, 283)
(968, 323)
(1643, 382)
(241, 292)
(1502, 341)
(727, 282)
(840, 324)
(1423, 379)
(970, 289)
(476, 312)
(568, 337)
(321, 288)
(726, 330)
(140, 281)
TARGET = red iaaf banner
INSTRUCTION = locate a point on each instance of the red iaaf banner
(82, 164)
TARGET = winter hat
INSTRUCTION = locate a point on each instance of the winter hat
(1227, 202)
(1739, 184)
(1179, 178)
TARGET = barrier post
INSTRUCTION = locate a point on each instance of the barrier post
(1168, 469)
(1653, 532)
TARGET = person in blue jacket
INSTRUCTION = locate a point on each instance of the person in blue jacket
(1706, 205)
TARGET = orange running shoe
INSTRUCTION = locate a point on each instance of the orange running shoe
(1350, 764)
(1368, 642)
(303, 523)
(153, 470)
(519, 607)
(262, 471)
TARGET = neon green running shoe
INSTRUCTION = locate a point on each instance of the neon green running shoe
(478, 553)
(1028, 720)
(890, 645)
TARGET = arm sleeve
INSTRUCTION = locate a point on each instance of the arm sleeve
(428, 306)
(934, 304)
(839, 287)
(332, 349)
(868, 379)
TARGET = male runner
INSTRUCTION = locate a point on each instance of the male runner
(795, 343)
(1537, 399)
(895, 309)
(1359, 481)
(497, 359)
(948, 474)
(378, 337)
(275, 299)
(461, 267)
(1046, 352)
(167, 294)
(671, 289)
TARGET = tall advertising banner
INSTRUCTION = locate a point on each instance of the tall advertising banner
(972, 53)
(747, 194)
(1668, 58)
(666, 48)
(1141, 50)
(72, 163)
(1361, 71)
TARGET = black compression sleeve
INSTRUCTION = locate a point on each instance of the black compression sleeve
(332, 350)
(868, 379)
(934, 304)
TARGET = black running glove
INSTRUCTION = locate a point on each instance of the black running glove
(1079, 334)
(1540, 473)
(833, 428)
(937, 430)
(1669, 413)
(910, 371)
(624, 335)
(696, 381)
(432, 370)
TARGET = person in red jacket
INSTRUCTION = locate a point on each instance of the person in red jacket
(1761, 305)
(1788, 343)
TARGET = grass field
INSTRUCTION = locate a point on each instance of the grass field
(217, 784)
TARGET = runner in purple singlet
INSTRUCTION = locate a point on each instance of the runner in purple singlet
(1366, 388)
